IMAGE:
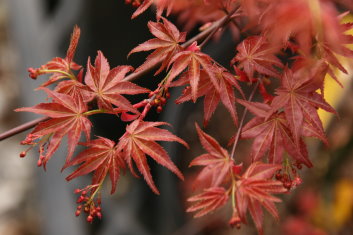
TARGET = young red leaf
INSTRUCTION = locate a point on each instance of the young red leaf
(195, 61)
(254, 190)
(140, 139)
(256, 54)
(67, 118)
(217, 163)
(271, 133)
(65, 65)
(108, 85)
(212, 96)
(166, 44)
(160, 4)
(299, 99)
(101, 157)
(208, 201)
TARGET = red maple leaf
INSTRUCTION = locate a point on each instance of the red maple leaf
(256, 54)
(108, 85)
(271, 133)
(206, 88)
(160, 4)
(299, 99)
(140, 139)
(166, 44)
(66, 118)
(195, 61)
(254, 190)
(101, 157)
(208, 201)
(217, 162)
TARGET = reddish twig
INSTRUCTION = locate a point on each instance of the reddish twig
(22, 128)
(237, 136)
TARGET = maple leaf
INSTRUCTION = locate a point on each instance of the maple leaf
(217, 162)
(208, 201)
(166, 44)
(161, 6)
(101, 157)
(108, 85)
(271, 133)
(206, 88)
(66, 118)
(256, 54)
(65, 65)
(140, 139)
(299, 99)
(195, 61)
(254, 190)
(75, 88)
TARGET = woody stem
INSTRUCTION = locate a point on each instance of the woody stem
(24, 127)
(237, 136)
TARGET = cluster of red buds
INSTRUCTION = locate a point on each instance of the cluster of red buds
(34, 73)
(134, 3)
(289, 177)
(87, 204)
(160, 98)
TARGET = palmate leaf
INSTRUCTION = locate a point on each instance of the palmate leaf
(102, 158)
(108, 85)
(271, 134)
(226, 81)
(299, 98)
(160, 4)
(217, 163)
(166, 44)
(140, 140)
(256, 54)
(208, 201)
(67, 118)
(195, 61)
(254, 190)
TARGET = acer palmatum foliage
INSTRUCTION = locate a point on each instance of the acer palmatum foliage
(296, 43)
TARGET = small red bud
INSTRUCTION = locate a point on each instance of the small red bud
(76, 191)
(89, 219)
(159, 109)
(287, 184)
(299, 166)
(167, 95)
(80, 199)
(78, 212)
(278, 176)
(39, 162)
(84, 192)
(23, 154)
(99, 215)
(86, 209)
(163, 100)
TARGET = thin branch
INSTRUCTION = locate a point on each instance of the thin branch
(22, 128)
(242, 121)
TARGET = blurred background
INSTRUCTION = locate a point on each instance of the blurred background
(36, 202)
